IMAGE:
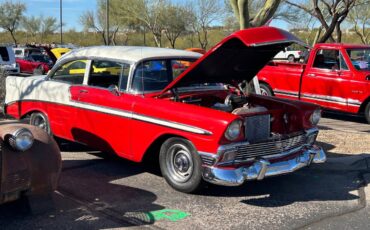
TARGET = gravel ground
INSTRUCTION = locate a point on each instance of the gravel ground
(341, 143)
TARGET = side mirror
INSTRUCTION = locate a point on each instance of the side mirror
(114, 90)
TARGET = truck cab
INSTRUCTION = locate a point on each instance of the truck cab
(336, 76)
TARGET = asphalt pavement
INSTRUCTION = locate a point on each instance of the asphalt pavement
(100, 192)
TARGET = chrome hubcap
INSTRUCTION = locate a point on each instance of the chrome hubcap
(40, 122)
(179, 163)
(264, 92)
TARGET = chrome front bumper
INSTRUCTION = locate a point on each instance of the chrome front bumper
(262, 168)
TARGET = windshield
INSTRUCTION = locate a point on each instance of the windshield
(360, 58)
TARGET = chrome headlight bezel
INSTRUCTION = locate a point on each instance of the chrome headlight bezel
(234, 130)
(21, 140)
(315, 117)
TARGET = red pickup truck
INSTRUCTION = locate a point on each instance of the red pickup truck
(335, 76)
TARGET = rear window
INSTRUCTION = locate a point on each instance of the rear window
(4, 53)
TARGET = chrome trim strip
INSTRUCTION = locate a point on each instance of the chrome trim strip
(130, 115)
(323, 98)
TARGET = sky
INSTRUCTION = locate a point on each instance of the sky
(72, 9)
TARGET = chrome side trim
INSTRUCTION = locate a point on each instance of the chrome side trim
(323, 98)
(130, 115)
(262, 168)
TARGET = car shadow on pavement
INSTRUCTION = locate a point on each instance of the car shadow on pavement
(314, 183)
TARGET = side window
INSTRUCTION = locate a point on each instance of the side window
(72, 72)
(179, 66)
(151, 75)
(342, 63)
(4, 53)
(108, 73)
(327, 59)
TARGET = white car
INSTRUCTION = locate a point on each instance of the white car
(288, 54)
(7, 60)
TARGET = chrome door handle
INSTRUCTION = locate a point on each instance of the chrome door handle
(84, 91)
(311, 75)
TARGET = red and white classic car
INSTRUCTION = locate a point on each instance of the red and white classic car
(199, 122)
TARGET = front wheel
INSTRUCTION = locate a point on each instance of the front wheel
(367, 112)
(291, 58)
(41, 121)
(265, 90)
(181, 165)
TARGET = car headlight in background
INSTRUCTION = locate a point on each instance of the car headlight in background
(21, 140)
(315, 117)
(233, 130)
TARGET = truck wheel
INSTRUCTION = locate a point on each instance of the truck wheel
(266, 90)
(291, 58)
(41, 121)
(181, 165)
(367, 112)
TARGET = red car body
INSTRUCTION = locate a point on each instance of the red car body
(28, 65)
(201, 124)
(336, 84)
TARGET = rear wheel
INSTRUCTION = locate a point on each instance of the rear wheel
(367, 112)
(41, 121)
(265, 90)
(181, 165)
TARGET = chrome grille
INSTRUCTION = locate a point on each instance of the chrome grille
(207, 160)
(272, 147)
(257, 128)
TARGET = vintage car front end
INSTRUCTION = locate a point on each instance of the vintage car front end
(30, 162)
(235, 163)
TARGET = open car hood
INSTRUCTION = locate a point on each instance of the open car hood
(236, 58)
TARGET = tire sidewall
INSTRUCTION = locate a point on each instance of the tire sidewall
(291, 58)
(267, 89)
(194, 183)
(367, 112)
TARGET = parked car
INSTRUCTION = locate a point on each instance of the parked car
(35, 63)
(7, 60)
(336, 77)
(197, 121)
(30, 162)
(288, 54)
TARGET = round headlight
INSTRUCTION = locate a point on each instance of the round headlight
(315, 117)
(233, 131)
(21, 140)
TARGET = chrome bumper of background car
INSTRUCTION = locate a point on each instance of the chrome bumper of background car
(262, 168)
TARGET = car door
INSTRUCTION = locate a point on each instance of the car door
(326, 83)
(104, 108)
(63, 113)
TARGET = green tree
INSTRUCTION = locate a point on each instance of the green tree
(175, 20)
(359, 17)
(330, 14)
(32, 25)
(11, 15)
(48, 26)
(203, 13)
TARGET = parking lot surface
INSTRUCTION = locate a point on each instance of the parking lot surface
(99, 192)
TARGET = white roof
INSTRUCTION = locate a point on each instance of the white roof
(128, 53)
